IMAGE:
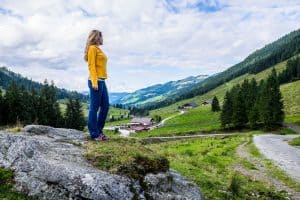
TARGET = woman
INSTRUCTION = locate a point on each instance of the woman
(96, 60)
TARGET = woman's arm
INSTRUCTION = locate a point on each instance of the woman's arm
(92, 66)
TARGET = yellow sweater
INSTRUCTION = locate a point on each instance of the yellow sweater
(97, 64)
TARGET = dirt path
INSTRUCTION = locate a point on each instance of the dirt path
(166, 119)
(276, 148)
(259, 172)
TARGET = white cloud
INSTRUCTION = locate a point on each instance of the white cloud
(147, 42)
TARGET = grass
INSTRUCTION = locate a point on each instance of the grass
(208, 162)
(284, 131)
(6, 186)
(291, 98)
(295, 141)
(129, 157)
(119, 122)
(293, 119)
(198, 119)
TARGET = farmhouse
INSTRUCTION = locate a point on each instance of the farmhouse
(139, 124)
(189, 105)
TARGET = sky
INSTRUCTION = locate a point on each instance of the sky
(147, 41)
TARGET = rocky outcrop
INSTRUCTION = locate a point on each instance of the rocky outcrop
(48, 163)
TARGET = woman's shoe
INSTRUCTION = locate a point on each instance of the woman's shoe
(101, 137)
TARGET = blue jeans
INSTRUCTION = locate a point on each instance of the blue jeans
(98, 99)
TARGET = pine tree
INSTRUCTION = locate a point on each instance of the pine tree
(270, 102)
(1, 108)
(276, 99)
(33, 101)
(215, 107)
(80, 119)
(226, 114)
(74, 117)
(48, 108)
(14, 105)
(25, 115)
(239, 115)
(253, 117)
(264, 105)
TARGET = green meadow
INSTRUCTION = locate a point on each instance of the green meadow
(194, 120)
(209, 163)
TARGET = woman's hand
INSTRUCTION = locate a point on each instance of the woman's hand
(95, 87)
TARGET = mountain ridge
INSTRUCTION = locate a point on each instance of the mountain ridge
(160, 91)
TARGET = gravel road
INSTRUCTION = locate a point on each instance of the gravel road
(276, 148)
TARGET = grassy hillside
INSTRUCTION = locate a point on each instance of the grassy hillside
(195, 120)
(291, 98)
(220, 91)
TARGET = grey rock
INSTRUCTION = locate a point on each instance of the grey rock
(49, 164)
(170, 185)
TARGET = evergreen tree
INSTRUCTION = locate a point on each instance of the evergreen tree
(292, 71)
(25, 115)
(239, 115)
(276, 99)
(215, 107)
(48, 108)
(4, 110)
(14, 103)
(1, 108)
(34, 105)
(74, 117)
(226, 114)
(253, 117)
(270, 103)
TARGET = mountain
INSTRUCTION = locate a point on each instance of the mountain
(261, 59)
(6, 76)
(159, 92)
(114, 97)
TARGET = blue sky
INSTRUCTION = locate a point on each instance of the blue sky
(147, 42)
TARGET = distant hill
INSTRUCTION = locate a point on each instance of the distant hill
(6, 76)
(159, 92)
(114, 97)
(261, 59)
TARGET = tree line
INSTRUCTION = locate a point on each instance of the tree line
(7, 76)
(291, 72)
(253, 105)
(19, 105)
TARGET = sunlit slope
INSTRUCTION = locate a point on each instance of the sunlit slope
(221, 90)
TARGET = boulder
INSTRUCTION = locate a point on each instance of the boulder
(49, 163)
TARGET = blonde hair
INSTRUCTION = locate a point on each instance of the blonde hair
(93, 38)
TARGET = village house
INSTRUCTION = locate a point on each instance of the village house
(189, 105)
(138, 124)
